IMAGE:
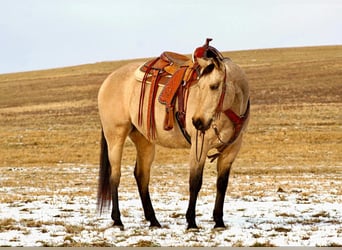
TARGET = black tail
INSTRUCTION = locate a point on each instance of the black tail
(104, 186)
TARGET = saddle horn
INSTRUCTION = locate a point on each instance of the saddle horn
(207, 51)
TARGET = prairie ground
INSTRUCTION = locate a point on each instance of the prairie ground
(285, 188)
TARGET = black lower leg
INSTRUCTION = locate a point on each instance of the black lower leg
(146, 201)
(195, 186)
(221, 185)
(149, 211)
(191, 212)
(116, 216)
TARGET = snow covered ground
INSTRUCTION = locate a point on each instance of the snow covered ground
(62, 217)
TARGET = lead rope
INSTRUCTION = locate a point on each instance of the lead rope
(201, 152)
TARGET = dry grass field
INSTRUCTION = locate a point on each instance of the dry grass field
(49, 147)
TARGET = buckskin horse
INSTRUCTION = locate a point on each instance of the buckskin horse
(202, 104)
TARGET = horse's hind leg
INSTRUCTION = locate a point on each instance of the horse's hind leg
(116, 142)
(145, 157)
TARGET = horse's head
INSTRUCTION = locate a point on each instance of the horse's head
(212, 90)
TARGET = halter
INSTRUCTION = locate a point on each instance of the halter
(219, 110)
(238, 123)
(237, 120)
(210, 52)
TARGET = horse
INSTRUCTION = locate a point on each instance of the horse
(221, 88)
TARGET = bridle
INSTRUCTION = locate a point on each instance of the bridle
(218, 111)
(237, 120)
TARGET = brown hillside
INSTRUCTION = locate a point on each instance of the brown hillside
(50, 117)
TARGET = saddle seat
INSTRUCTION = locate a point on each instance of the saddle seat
(175, 58)
(175, 73)
(167, 64)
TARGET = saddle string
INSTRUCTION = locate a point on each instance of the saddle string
(143, 87)
(202, 133)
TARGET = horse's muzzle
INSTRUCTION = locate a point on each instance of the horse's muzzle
(199, 124)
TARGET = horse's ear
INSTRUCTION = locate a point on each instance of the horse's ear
(204, 62)
(208, 64)
(217, 63)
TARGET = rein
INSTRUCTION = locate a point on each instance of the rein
(201, 152)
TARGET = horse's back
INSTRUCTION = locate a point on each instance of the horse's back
(118, 102)
(115, 94)
(119, 83)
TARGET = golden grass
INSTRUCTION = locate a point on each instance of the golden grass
(50, 117)
(49, 124)
(8, 224)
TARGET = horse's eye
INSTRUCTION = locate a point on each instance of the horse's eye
(214, 87)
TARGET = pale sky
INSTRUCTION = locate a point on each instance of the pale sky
(41, 34)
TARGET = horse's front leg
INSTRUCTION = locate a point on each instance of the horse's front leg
(224, 164)
(195, 182)
(221, 188)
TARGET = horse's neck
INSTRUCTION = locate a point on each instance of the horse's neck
(241, 91)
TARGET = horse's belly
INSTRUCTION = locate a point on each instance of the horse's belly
(167, 138)
(171, 139)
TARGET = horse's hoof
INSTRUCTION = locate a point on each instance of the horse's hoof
(219, 224)
(154, 222)
(155, 225)
(119, 225)
(219, 228)
(192, 228)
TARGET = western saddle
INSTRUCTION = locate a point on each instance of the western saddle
(176, 73)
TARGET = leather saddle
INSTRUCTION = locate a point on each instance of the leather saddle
(175, 73)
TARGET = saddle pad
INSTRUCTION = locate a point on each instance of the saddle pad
(139, 75)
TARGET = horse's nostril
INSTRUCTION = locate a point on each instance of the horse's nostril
(201, 125)
(197, 123)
